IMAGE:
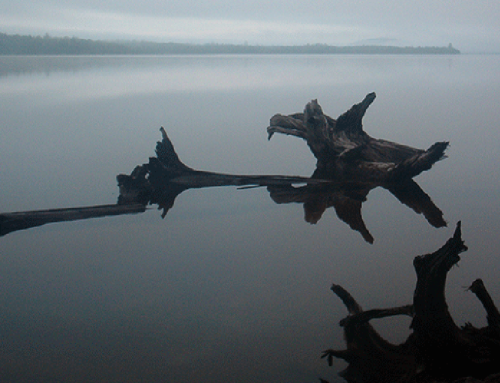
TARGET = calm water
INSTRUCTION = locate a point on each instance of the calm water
(229, 286)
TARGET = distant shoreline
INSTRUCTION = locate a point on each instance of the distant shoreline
(47, 45)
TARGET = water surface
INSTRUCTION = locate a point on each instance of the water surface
(229, 286)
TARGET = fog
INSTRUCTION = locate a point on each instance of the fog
(470, 26)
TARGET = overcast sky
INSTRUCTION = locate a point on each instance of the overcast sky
(471, 25)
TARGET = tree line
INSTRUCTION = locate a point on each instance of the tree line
(48, 45)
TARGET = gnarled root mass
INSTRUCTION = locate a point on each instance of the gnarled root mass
(437, 350)
(344, 150)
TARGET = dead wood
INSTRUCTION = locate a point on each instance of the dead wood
(345, 151)
(165, 176)
(158, 182)
(437, 350)
(10, 222)
(482, 294)
(350, 164)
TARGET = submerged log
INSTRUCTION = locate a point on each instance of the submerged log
(350, 164)
(345, 151)
(437, 350)
(158, 182)
(10, 222)
(166, 176)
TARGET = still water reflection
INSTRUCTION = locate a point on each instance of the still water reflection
(230, 286)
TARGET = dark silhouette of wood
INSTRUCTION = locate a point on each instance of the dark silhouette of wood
(166, 176)
(437, 350)
(158, 182)
(347, 199)
(10, 222)
(345, 151)
(350, 164)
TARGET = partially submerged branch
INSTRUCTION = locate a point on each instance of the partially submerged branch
(482, 294)
(10, 222)
(350, 164)
(437, 350)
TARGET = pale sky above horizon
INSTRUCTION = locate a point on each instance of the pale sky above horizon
(470, 25)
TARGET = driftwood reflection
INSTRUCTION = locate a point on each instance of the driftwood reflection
(347, 198)
(350, 163)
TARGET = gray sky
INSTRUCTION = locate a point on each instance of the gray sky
(471, 25)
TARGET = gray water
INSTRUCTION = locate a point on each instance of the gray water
(229, 286)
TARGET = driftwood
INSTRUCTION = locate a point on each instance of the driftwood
(158, 182)
(350, 164)
(345, 151)
(353, 162)
(437, 350)
(10, 222)
(165, 177)
(347, 157)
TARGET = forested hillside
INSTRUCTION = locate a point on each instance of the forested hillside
(47, 45)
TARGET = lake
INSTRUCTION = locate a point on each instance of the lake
(229, 286)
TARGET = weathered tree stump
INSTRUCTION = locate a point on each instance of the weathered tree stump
(345, 151)
(437, 350)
